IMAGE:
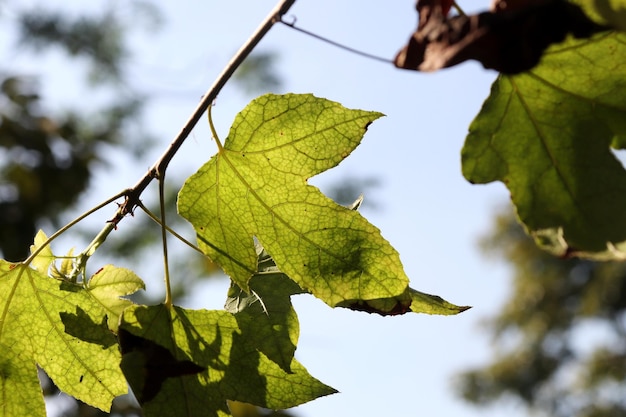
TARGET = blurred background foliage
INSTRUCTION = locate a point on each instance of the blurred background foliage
(559, 340)
(49, 154)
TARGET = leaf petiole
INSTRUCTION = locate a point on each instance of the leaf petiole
(169, 229)
(71, 224)
(166, 269)
(214, 131)
(83, 257)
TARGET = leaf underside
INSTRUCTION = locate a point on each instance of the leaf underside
(547, 134)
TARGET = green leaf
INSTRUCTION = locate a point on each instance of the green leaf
(409, 301)
(606, 12)
(38, 316)
(547, 135)
(108, 285)
(256, 187)
(433, 304)
(45, 258)
(266, 313)
(190, 362)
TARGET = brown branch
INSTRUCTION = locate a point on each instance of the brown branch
(157, 170)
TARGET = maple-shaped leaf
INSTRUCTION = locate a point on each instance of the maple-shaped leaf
(58, 326)
(190, 362)
(256, 187)
(547, 134)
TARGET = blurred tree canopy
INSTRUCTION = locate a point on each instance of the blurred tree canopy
(48, 155)
(559, 339)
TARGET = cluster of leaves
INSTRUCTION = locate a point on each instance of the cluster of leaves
(546, 133)
(191, 362)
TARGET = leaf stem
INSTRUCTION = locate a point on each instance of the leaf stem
(166, 268)
(169, 229)
(71, 224)
(220, 147)
(81, 260)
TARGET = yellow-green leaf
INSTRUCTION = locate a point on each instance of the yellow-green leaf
(54, 324)
(256, 187)
(433, 304)
(108, 285)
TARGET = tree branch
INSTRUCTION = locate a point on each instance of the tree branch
(157, 170)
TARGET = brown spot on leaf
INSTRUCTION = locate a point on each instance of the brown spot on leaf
(398, 309)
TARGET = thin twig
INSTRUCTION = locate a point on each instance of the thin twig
(72, 224)
(169, 229)
(293, 26)
(161, 165)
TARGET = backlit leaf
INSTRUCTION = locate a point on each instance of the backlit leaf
(433, 304)
(547, 135)
(54, 324)
(190, 362)
(266, 312)
(108, 285)
(256, 187)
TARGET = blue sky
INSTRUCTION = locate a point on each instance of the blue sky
(430, 214)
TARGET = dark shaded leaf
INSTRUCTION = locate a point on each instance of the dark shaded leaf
(190, 362)
(148, 365)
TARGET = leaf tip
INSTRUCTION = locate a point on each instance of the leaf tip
(463, 308)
